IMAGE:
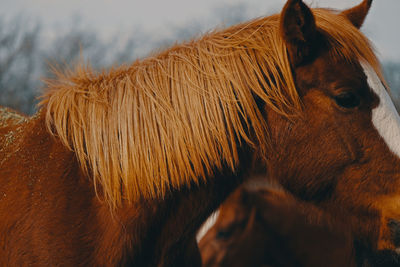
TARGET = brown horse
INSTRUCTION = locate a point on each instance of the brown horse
(122, 167)
(265, 226)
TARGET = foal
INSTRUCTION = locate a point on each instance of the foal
(265, 226)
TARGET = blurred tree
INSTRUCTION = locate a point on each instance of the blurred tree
(392, 75)
(26, 56)
(18, 59)
(75, 44)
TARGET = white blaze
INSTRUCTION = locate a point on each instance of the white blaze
(207, 225)
(384, 117)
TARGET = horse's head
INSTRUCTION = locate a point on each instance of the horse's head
(223, 243)
(268, 227)
(343, 151)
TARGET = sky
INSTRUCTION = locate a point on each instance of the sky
(157, 16)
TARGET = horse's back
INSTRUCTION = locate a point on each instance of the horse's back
(10, 117)
(10, 120)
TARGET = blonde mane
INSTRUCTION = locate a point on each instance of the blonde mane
(172, 119)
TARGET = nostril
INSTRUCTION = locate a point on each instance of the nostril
(394, 227)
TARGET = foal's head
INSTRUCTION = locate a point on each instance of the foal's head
(268, 227)
(342, 153)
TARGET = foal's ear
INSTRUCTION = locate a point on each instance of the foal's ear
(357, 14)
(298, 29)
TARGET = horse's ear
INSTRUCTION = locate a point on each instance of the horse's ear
(357, 14)
(298, 29)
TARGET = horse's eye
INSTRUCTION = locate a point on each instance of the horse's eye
(347, 100)
(224, 234)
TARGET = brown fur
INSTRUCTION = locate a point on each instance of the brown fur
(269, 227)
(9, 117)
(121, 168)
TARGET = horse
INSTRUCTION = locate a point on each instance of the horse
(263, 225)
(121, 167)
